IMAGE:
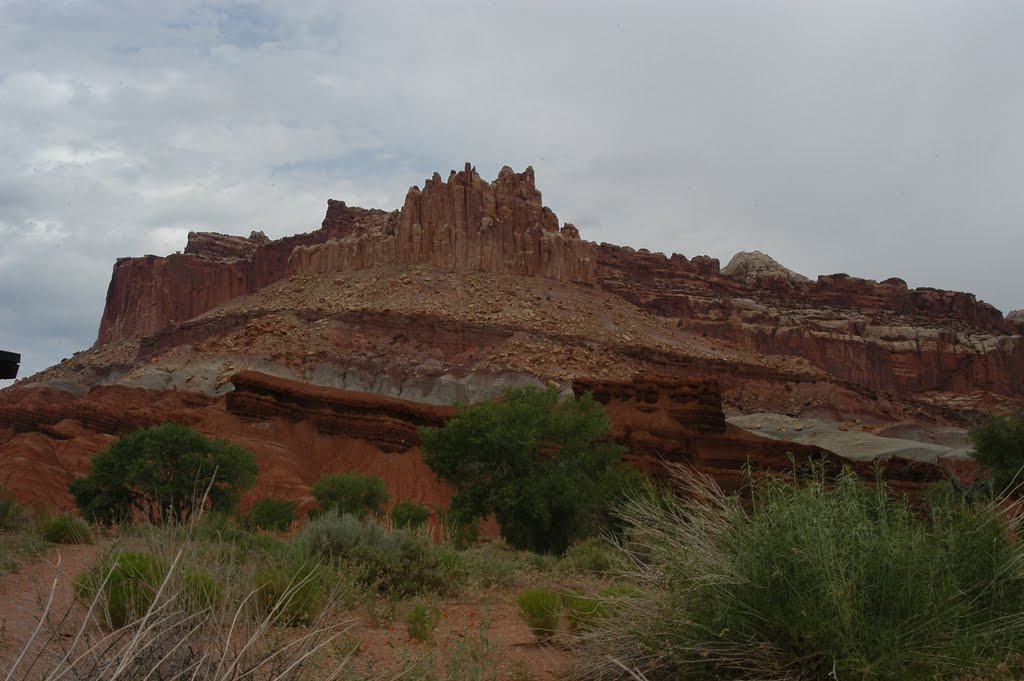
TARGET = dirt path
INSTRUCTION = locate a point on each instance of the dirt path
(23, 594)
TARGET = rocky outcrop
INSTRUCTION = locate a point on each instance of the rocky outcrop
(152, 293)
(299, 432)
(389, 424)
(759, 270)
(681, 420)
(463, 224)
(881, 335)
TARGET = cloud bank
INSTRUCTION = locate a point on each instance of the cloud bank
(875, 138)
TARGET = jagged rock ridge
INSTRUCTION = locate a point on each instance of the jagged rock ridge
(463, 224)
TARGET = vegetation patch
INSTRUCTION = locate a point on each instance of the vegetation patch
(65, 529)
(826, 578)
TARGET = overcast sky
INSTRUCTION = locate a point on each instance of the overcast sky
(875, 138)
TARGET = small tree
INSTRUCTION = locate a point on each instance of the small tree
(353, 493)
(162, 473)
(999, 446)
(546, 467)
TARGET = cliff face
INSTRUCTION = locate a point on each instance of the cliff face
(152, 293)
(881, 335)
(875, 336)
(298, 432)
(463, 224)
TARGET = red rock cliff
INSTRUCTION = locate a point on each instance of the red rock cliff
(151, 293)
(464, 224)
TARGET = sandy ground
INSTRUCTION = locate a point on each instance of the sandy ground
(479, 629)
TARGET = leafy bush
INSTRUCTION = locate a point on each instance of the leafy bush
(422, 620)
(163, 473)
(276, 515)
(65, 529)
(402, 562)
(409, 514)
(125, 585)
(296, 592)
(541, 609)
(999, 446)
(821, 579)
(350, 493)
(546, 467)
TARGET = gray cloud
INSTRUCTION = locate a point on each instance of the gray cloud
(876, 138)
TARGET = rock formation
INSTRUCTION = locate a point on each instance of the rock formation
(759, 270)
(299, 431)
(152, 293)
(463, 224)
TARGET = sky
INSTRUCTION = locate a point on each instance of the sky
(874, 138)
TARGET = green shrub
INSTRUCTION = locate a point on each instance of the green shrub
(999, 446)
(541, 609)
(402, 562)
(590, 555)
(350, 493)
(65, 529)
(164, 472)
(12, 515)
(827, 578)
(275, 515)
(409, 514)
(296, 592)
(422, 620)
(125, 585)
(132, 580)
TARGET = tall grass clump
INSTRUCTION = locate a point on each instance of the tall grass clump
(541, 609)
(65, 529)
(815, 580)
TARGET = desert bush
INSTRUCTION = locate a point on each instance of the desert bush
(125, 585)
(421, 620)
(296, 592)
(276, 515)
(541, 609)
(999, 446)
(409, 514)
(826, 578)
(350, 493)
(402, 562)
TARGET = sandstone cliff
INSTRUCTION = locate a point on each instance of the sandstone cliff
(152, 293)
(463, 224)
(191, 319)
